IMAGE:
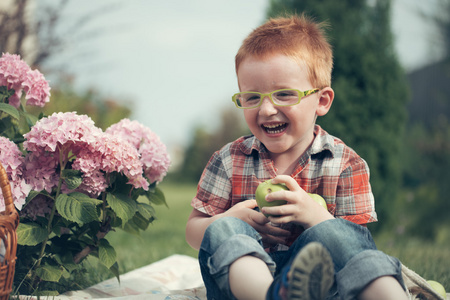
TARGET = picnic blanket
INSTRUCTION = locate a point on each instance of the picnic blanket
(179, 277)
(175, 277)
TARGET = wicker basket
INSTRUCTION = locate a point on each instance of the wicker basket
(9, 220)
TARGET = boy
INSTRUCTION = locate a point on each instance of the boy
(284, 75)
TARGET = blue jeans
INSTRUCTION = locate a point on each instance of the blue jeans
(357, 262)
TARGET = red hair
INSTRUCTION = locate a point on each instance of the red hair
(297, 37)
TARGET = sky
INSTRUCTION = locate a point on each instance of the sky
(172, 61)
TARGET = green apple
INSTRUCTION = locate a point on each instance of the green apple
(438, 288)
(265, 188)
(319, 200)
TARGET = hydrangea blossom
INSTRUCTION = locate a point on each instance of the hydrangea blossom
(109, 154)
(62, 131)
(54, 140)
(12, 160)
(16, 74)
(71, 139)
(41, 169)
(36, 88)
(153, 153)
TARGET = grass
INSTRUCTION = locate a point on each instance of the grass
(428, 259)
(166, 236)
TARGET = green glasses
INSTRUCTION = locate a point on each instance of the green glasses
(284, 97)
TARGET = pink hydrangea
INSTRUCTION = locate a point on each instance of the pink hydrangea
(12, 160)
(62, 131)
(36, 88)
(153, 153)
(16, 74)
(74, 141)
(41, 170)
(55, 139)
(109, 154)
(94, 183)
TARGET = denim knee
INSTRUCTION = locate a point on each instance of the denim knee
(342, 238)
(355, 256)
(226, 240)
(224, 228)
(365, 267)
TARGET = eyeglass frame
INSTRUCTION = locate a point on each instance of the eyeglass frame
(264, 95)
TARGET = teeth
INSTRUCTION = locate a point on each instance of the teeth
(274, 125)
(274, 128)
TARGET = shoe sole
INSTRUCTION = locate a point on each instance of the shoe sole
(312, 273)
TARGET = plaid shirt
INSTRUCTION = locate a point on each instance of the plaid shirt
(328, 168)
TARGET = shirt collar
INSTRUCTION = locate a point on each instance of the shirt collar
(322, 142)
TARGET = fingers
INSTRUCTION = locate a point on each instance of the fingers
(290, 182)
(250, 203)
(280, 214)
(270, 240)
(272, 235)
(246, 204)
(274, 231)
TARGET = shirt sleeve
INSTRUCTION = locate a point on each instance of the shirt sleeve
(354, 198)
(214, 188)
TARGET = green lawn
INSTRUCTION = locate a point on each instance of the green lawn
(166, 237)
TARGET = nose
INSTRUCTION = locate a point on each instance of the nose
(267, 108)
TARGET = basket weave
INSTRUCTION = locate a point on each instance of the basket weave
(9, 220)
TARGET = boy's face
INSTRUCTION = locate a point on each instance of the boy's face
(283, 130)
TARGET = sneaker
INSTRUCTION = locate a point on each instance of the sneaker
(311, 274)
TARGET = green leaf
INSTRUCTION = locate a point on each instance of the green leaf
(123, 206)
(10, 110)
(29, 118)
(141, 222)
(106, 253)
(30, 234)
(77, 207)
(72, 178)
(65, 259)
(146, 210)
(115, 270)
(156, 196)
(131, 228)
(49, 272)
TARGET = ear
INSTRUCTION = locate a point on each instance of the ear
(325, 101)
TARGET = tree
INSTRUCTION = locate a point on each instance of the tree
(442, 21)
(33, 29)
(427, 163)
(370, 87)
(34, 32)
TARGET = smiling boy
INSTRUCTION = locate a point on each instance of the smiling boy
(301, 251)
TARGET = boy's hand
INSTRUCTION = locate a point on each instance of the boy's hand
(300, 207)
(245, 210)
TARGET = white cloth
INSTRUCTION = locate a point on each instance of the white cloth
(175, 277)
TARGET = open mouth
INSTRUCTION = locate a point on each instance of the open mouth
(274, 128)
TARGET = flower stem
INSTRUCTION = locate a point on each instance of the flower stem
(104, 207)
(62, 164)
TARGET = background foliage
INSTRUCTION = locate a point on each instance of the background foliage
(426, 157)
